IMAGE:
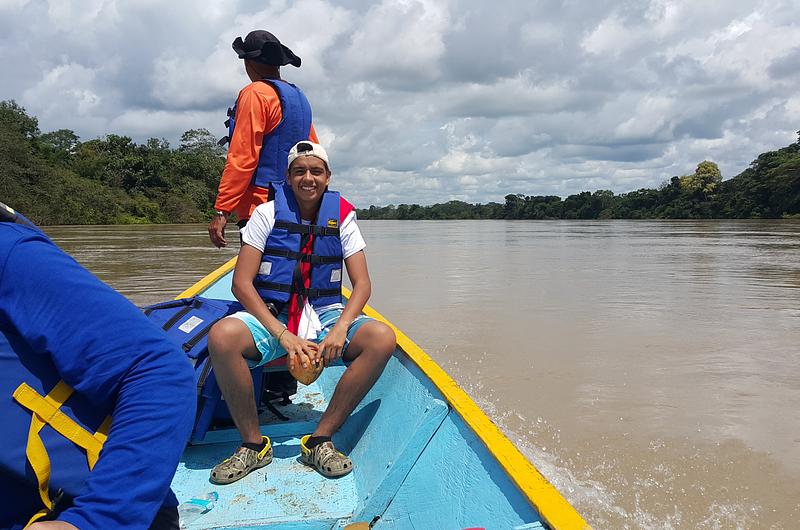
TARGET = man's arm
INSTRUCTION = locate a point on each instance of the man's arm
(241, 162)
(244, 149)
(108, 351)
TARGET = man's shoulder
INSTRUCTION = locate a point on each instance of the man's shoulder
(255, 99)
(265, 210)
(261, 89)
(13, 233)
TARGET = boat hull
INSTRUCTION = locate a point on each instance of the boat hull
(425, 457)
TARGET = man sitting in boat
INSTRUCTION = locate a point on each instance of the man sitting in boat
(77, 358)
(288, 277)
(270, 116)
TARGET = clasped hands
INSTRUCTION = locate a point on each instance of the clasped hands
(307, 353)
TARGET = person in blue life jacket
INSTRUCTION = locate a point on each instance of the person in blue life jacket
(288, 278)
(96, 402)
(270, 116)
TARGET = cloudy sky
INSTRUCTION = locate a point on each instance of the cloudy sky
(423, 101)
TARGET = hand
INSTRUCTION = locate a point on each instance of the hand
(332, 345)
(52, 525)
(216, 230)
(300, 351)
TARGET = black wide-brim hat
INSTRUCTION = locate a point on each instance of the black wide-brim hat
(264, 47)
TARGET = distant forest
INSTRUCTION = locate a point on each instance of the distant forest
(769, 188)
(55, 178)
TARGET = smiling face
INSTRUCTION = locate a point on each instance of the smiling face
(308, 178)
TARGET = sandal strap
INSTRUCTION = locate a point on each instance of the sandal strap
(327, 454)
(238, 457)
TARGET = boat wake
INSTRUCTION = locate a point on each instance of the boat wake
(614, 488)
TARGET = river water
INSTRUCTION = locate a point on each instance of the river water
(650, 370)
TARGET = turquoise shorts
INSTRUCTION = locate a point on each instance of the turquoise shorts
(270, 348)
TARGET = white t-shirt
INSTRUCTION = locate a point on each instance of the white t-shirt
(260, 225)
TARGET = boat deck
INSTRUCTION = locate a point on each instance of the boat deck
(284, 492)
(418, 462)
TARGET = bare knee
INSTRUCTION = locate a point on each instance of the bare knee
(226, 337)
(382, 340)
(385, 339)
(375, 339)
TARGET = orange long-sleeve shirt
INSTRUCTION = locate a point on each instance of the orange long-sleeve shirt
(258, 112)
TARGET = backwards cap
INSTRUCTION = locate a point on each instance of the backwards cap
(308, 148)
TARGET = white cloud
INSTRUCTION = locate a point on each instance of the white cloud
(648, 120)
(70, 94)
(793, 109)
(12, 5)
(424, 101)
(213, 78)
(399, 41)
(145, 123)
(521, 96)
(67, 16)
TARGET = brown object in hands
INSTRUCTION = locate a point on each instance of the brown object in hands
(307, 375)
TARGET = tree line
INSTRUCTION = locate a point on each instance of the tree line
(55, 178)
(769, 188)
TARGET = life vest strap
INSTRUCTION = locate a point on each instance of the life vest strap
(46, 411)
(299, 228)
(300, 256)
(180, 314)
(286, 288)
(272, 286)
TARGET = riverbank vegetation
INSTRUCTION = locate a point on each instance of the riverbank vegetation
(769, 188)
(55, 178)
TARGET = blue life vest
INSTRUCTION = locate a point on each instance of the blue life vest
(279, 274)
(51, 436)
(294, 127)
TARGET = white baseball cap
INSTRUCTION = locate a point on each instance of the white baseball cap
(308, 148)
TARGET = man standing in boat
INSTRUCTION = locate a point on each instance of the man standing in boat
(288, 278)
(81, 368)
(269, 117)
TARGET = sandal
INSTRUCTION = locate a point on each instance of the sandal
(242, 462)
(325, 458)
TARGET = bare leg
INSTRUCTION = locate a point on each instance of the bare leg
(369, 351)
(229, 343)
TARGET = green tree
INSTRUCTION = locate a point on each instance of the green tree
(704, 181)
(59, 146)
(14, 118)
(200, 141)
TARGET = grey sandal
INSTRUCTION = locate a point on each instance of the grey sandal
(242, 462)
(325, 459)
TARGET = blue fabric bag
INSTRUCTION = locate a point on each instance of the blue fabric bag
(187, 321)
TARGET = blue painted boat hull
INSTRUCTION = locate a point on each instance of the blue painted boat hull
(421, 460)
